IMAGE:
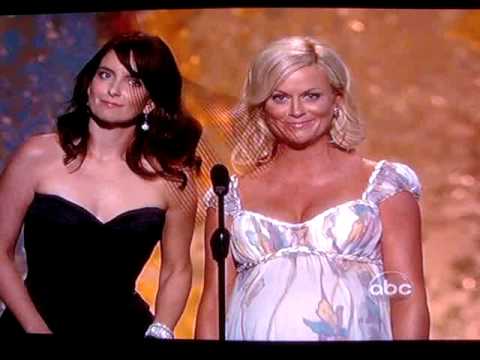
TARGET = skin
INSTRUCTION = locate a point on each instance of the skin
(115, 96)
(299, 114)
(102, 185)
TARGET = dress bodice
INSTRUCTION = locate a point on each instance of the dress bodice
(65, 242)
(350, 230)
(82, 272)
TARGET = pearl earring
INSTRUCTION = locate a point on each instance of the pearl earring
(145, 126)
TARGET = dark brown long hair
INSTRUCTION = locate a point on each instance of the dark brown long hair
(169, 146)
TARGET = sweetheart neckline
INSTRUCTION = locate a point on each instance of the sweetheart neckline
(92, 215)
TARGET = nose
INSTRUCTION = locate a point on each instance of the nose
(296, 108)
(114, 89)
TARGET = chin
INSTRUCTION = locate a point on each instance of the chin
(297, 145)
(110, 122)
(302, 143)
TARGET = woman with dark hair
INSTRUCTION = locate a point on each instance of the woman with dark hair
(96, 196)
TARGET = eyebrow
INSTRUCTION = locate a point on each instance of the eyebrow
(306, 91)
(106, 68)
(101, 67)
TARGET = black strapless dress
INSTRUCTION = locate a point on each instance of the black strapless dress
(82, 272)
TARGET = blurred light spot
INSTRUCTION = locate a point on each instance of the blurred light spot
(194, 60)
(6, 120)
(467, 180)
(459, 194)
(477, 81)
(374, 89)
(356, 25)
(437, 100)
(52, 34)
(469, 283)
(3, 51)
(461, 179)
(184, 33)
(27, 94)
(41, 58)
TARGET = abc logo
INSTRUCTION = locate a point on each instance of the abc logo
(391, 284)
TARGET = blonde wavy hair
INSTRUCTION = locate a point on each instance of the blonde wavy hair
(257, 145)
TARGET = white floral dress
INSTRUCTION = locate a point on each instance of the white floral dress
(310, 281)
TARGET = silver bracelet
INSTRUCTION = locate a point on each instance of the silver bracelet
(158, 330)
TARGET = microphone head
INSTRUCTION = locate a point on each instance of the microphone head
(220, 179)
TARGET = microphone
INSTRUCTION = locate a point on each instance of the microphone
(220, 239)
(220, 179)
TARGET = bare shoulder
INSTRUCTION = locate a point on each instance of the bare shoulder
(34, 150)
(29, 162)
(369, 164)
(38, 148)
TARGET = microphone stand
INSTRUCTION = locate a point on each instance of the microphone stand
(219, 243)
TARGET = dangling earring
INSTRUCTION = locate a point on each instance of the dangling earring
(145, 126)
(336, 112)
(333, 130)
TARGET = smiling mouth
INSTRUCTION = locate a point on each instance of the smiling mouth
(298, 125)
(110, 104)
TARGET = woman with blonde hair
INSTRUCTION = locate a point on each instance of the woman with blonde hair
(326, 245)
